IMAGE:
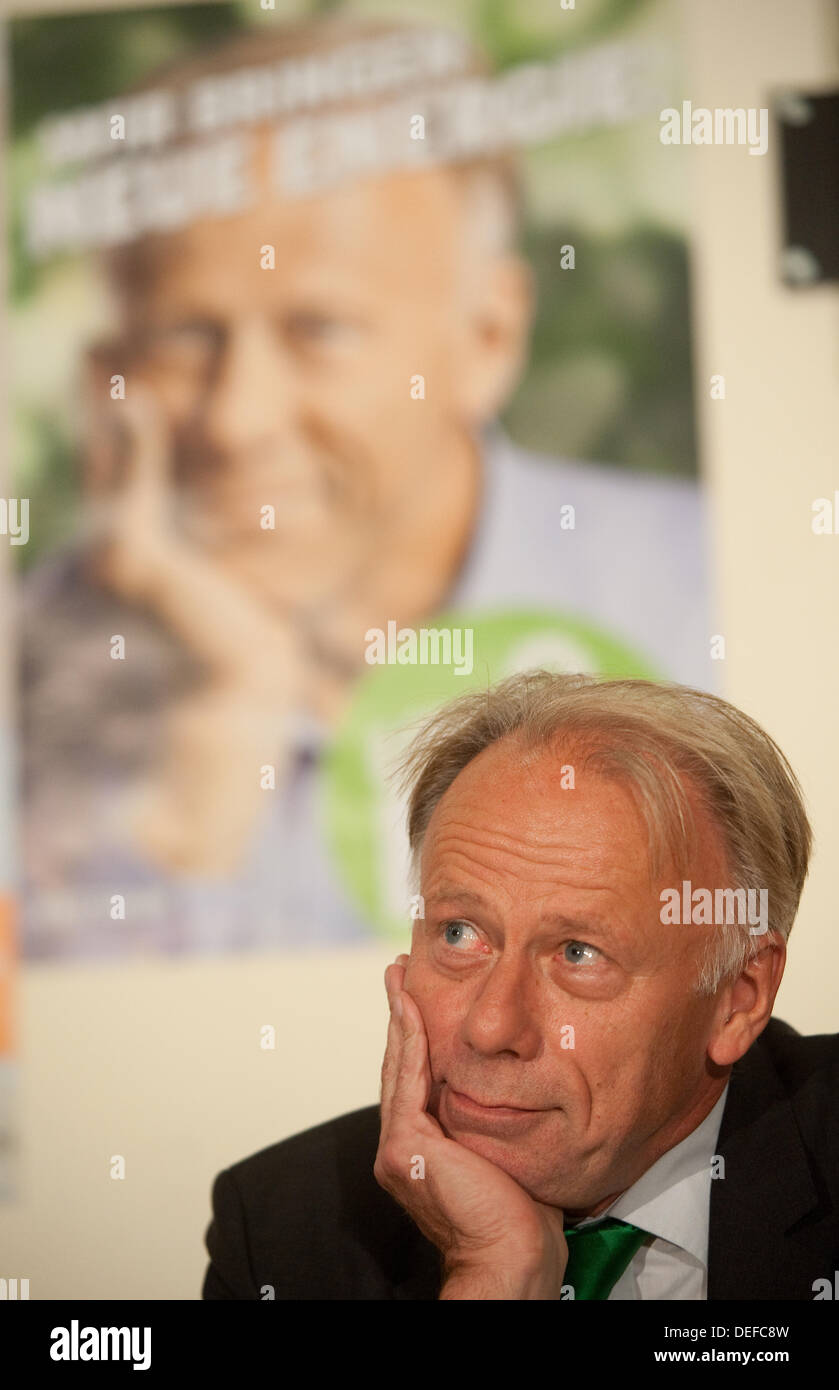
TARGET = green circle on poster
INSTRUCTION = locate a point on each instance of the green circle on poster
(362, 811)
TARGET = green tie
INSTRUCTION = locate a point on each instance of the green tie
(598, 1256)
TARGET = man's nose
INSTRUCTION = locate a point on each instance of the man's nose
(250, 396)
(504, 1014)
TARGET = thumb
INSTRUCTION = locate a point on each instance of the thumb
(148, 455)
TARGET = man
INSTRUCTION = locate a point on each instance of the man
(289, 388)
(584, 1094)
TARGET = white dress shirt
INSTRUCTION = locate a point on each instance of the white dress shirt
(672, 1201)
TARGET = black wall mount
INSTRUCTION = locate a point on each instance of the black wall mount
(807, 125)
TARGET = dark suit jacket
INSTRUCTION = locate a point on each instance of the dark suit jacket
(307, 1218)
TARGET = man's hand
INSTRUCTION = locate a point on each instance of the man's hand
(196, 810)
(143, 555)
(496, 1241)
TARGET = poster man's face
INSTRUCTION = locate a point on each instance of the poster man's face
(548, 983)
(291, 386)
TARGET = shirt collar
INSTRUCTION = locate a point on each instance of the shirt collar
(672, 1199)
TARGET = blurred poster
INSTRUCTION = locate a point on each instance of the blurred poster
(352, 370)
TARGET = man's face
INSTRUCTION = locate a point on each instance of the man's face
(292, 386)
(547, 980)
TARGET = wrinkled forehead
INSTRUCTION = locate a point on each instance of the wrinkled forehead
(544, 815)
(400, 233)
(522, 815)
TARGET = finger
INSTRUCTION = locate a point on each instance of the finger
(413, 1076)
(148, 461)
(394, 979)
(393, 1053)
(102, 446)
(101, 451)
(107, 422)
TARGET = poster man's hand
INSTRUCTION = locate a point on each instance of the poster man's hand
(199, 804)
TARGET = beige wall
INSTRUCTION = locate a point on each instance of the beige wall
(770, 448)
(161, 1063)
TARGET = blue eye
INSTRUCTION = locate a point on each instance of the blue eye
(455, 932)
(583, 954)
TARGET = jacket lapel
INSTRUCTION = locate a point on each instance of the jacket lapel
(754, 1248)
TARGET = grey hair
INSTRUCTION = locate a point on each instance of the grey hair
(651, 736)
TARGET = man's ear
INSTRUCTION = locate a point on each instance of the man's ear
(745, 1004)
(496, 320)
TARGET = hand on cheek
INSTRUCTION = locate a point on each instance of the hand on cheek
(496, 1242)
